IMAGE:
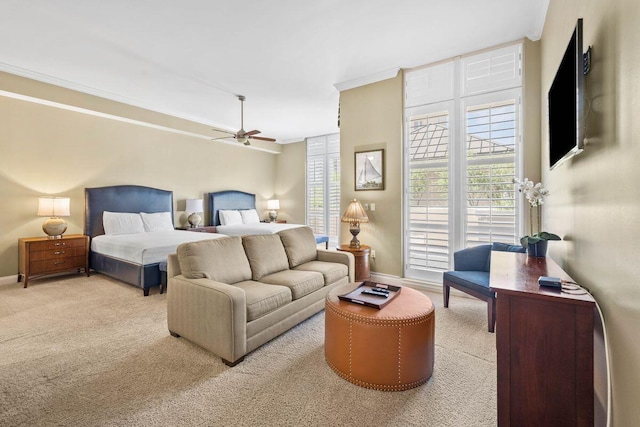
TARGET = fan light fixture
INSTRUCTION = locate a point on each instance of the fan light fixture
(354, 215)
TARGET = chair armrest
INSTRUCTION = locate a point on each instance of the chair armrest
(173, 266)
(472, 259)
(345, 258)
(210, 314)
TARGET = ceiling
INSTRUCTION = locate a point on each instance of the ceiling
(190, 58)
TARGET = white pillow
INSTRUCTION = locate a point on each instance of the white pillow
(250, 216)
(230, 217)
(159, 221)
(122, 223)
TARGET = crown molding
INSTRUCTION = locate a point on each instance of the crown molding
(368, 79)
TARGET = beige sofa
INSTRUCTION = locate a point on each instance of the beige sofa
(233, 294)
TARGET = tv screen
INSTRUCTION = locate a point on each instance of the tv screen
(566, 121)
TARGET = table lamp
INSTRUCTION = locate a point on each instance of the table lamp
(54, 208)
(194, 206)
(354, 215)
(273, 205)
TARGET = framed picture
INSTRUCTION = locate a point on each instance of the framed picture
(369, 170)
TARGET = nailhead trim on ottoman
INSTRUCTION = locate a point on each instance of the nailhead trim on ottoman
(390, 349)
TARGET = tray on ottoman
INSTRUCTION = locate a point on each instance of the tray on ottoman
(384, 294)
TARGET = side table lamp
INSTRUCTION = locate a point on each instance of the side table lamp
(54, 208)
(273, 205)
(194, 206)
(354, 215)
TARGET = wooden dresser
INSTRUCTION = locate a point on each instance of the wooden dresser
(40, 256)
(544, 339)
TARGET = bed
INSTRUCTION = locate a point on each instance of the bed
(233, 213)
(125, 251)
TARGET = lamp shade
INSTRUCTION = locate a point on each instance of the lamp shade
(355, 213)
(53, 206)
(194, 205)
(273, 204)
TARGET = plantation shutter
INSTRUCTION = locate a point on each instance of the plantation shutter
(323, 185)
(462, 139)
(428, 226)
(491, 136)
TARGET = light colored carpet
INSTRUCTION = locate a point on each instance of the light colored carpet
(91, 351)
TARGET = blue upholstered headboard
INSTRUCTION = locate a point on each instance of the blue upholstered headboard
(122, 198)
(230, 199)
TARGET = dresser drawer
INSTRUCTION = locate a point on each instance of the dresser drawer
(63, 252)
(60, 264)
(56, 244)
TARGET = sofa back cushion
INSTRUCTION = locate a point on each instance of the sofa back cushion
(265, 254)
(299, 244)
(222, 260)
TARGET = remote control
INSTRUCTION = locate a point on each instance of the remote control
(378, 294)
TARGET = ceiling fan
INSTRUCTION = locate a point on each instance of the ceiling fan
(243, 136)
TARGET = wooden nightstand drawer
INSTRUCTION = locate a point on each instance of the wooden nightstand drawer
(41, 255)
(55, 265)
(63, 252)
(56, 244)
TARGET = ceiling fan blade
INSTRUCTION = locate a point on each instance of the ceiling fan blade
(252, 132)
(262, 138)
(225, 131)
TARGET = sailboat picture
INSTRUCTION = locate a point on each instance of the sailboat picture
(369, 170)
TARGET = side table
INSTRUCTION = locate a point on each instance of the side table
(39, 256)
(200, 229)
(361, 255)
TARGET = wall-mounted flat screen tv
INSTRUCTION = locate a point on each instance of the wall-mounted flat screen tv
(566, 112)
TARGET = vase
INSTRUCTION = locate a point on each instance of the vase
(538, 250)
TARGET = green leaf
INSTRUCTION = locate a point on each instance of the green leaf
(548, 236)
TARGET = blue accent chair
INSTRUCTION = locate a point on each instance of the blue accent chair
(322, 239)
(471, 275)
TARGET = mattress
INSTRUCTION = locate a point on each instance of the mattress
(146, 248)
(257, 228)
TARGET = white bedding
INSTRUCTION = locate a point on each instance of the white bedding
(146, 248)
(259, 228)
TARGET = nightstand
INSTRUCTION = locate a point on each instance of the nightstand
(361, 255)
(203, 229)
(39, 256)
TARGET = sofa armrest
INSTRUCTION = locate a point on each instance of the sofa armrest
(210, 314)
(345, 258)
(173, 266)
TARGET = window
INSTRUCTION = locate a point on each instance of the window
(462, 146)
(323, 186)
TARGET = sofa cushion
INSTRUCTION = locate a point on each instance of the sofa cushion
(476, 280)
(300, 245)
(222, 260)
(263, 298)
(301, 283)
(331, 271)
(265, 253)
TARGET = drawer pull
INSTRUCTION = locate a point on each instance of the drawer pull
(59, 252)
(61, 244)
(58, 262)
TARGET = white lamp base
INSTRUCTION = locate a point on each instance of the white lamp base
(273, 215)
(54, 227)
(194, 220)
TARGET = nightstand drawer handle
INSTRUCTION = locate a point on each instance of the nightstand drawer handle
(59, 252)
(58, 262)
(61, 244)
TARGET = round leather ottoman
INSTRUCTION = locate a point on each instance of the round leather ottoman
(390, 349)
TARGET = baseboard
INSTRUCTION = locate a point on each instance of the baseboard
(6, 280)
(400, 281)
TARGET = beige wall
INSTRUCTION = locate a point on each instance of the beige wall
(291, 169)
(595, 198)
(371, 118)
(48, 150)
